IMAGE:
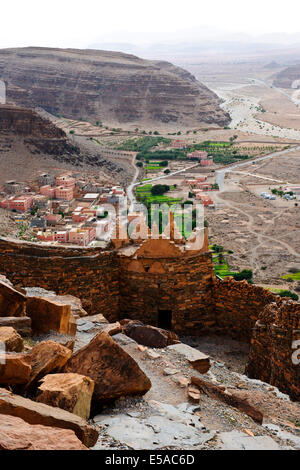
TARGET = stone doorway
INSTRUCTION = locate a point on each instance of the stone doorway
(164, 319)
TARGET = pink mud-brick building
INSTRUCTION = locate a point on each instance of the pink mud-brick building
(47, 191)
(204, 186)
(45, 236)
(198, 154)
(204, 199)
(91, 233)
(78, 236)
(200, 179)
(53, 219)
(64, 193)
(21, 203)
(66, 181)
(61, 236)
(178, 144)
(208, 162)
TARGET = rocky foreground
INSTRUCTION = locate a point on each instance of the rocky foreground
(110, 87)
(73, 381)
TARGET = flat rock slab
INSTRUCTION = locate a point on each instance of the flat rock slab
(179, 414)
(236, 440)
(16, 434)
(155, 432)
(83, 325)
(197, 359)
(123, 340)
(39, 413)
(284, 435)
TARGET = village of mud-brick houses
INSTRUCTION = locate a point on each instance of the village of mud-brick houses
(163, 283)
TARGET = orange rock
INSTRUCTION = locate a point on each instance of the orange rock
(16, 434)
(194, 394)
(114, 372)
(71, 392)
(44, 358)
(21, 324)
(112, 328)
(39, 413)
(12, 340)
(14, 368)
(12, 302)
(48, 315)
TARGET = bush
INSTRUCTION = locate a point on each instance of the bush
(288, 293)
(139, 164)
(244, 274)
(159, 189)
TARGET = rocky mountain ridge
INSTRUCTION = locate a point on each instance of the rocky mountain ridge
(113, 87)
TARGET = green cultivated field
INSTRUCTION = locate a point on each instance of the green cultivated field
(294, 276)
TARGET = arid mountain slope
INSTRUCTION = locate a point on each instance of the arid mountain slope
(29, 143)
(107, 86)
(286, 77)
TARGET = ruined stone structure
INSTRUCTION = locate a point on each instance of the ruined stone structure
(163, 283)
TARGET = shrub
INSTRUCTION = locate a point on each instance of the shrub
(159, 189)
(288, 293)
(244, 274)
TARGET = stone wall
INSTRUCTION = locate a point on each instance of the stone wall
(237, 306)
(91, 275)
(182, 286)
(271, 354)
(141, 286)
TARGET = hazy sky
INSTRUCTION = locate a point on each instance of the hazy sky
(63, 23)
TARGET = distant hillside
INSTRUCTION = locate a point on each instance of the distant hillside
(106, 86)
(286, 77)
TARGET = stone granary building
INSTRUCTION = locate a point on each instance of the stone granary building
(163, 283)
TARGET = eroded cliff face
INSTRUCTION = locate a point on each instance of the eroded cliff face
(108, 86)
(26, 122)
(30, 143)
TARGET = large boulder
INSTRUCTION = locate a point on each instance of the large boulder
(12, 341)
(71, 392)
(48, 315)
(39, 413)
(148, 335)
(14, 368)
(12, 302)
(114, 372)
(16, 434)
(21, 324)
(45, 358)
(75, 303)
